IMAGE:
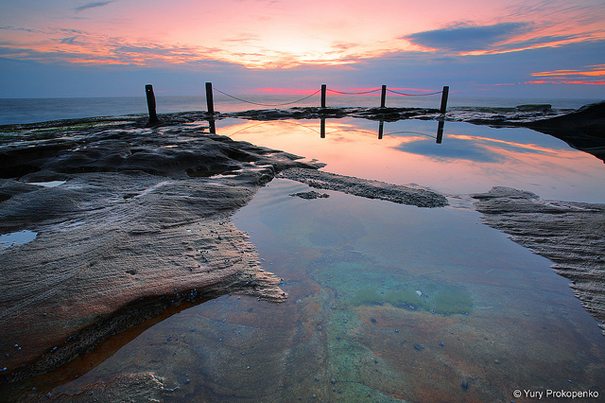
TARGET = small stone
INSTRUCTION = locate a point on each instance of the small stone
(333, 381)
(442, 344)
(464, 385)
(419, 347)
(316, 379)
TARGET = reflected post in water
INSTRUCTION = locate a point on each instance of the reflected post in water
(440, 131)
(322, 128)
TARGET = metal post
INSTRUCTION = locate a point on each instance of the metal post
(153, 117)
(323, 95)
(383, 96)
(444, 94)
(209, 98)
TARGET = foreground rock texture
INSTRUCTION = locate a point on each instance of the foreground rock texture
(135, 221)
(570, 234)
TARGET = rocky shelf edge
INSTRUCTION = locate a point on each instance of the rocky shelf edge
(570, 234)
(370, 189)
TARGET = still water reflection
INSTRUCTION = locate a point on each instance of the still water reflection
(469, 159)
(386, 302)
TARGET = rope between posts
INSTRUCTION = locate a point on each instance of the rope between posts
(353, 93)
(415, 95)
(261, 104)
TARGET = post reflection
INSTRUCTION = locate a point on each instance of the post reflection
(440, 131)
(322, 128)
(438, 137)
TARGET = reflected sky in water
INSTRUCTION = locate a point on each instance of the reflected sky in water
(469, 159)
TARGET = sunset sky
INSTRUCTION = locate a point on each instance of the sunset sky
(490, 48)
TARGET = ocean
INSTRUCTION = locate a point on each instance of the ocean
(33, 110)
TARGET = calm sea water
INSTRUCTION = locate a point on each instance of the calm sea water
(25, 110)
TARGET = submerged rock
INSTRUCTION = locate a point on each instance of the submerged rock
(571, 234)
(310, 195)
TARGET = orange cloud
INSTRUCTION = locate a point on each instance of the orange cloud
(590, 75)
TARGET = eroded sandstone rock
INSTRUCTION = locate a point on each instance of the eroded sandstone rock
(135, 219)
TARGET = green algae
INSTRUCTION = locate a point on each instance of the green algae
(406, 298)
(367, 296)
(443, 299)
(452, 300)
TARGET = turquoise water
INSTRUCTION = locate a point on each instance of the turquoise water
(386, 302)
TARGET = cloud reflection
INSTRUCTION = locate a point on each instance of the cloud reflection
(472, 148)
(452, 149)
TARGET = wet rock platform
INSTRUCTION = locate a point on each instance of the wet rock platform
(128, 220)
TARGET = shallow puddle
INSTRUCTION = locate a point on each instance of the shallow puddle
(386, 302)
(17, 238)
